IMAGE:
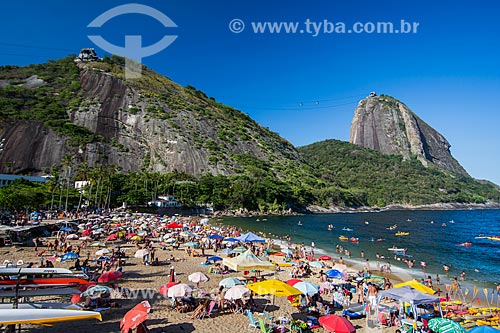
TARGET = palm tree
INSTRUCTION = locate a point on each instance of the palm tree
(67, 161)
(83, 174)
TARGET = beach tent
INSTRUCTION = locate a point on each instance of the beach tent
(409, 295)
(250, 237)
(416, 285)
(248, 261)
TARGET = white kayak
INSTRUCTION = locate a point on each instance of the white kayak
(43, 305)
(39, 292)
(43, 316)
(33, 271)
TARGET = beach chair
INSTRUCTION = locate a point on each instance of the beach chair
(198, 312)
(251, 321)
(210, 310)
(262, 326)
(269, 318)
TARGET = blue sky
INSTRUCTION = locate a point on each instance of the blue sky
(303, 87)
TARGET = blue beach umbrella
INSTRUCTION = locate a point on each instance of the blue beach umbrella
(231, 239)
(483, 329)
(65, 229)
(230, 282)
(334, 274)
(214, 258)
(190, 244)
(70, 256)
(250, 237)
(316, 264)
(215, 236)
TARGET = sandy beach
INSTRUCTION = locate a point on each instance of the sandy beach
(163, 318)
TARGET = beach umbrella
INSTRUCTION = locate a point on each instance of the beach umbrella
(72, 236)
(190, 244)
(227, 251)
(230, 282)
(109, 276)
(112, 237)
(287, 251)
(103, 258)
(198, 277)
(174, 225)
(214, 258)
(102, 252)
(230, 239)
(307, 288)
(164, 288)
(179, 290)
(443, 325)
(236, 292)
(85, 238)
(273, 287)
(483, 329)
(416, 285)
(239, 249)
(135, 238)
(136, 316)
(292, 282)
(325, 257)
(215, 236)
(250, 237)
(316, 264)
(333, 323)
(334, 274)
(86, 232)
(70, 256)
(98, 244)
(96, 291)
(65, 229)
(130, 235)
(141, 253)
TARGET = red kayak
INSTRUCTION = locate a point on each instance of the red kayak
(44, 282)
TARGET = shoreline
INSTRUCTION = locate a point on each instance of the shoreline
(313, 209)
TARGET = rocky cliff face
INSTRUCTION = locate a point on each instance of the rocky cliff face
(152, 124)
(385, 124)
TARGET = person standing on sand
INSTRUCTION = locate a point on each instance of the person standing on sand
(372, 295)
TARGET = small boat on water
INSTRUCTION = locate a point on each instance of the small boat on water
(330, 227)
(343, 238)
(392, 227)
(354, 240)
(366, 222)
(347, 229)
(299, 223)
(395, 249)
(408, 220)
(378, 240)
(465, 244)
(443, 225)
(402, 233)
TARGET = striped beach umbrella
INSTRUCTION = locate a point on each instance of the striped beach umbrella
(443, 325)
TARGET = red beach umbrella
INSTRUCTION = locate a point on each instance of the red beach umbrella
(136, 316)
(112, 237)
(174, 225)
(325, 257)
(291, 282)
(130, 235)
(333, 323)
(110, 276)
(86, 232)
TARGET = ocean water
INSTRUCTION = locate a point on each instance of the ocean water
(428, 242)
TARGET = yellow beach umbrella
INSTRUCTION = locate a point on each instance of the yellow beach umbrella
(135, 238)
(273, 287)
(416, 285)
